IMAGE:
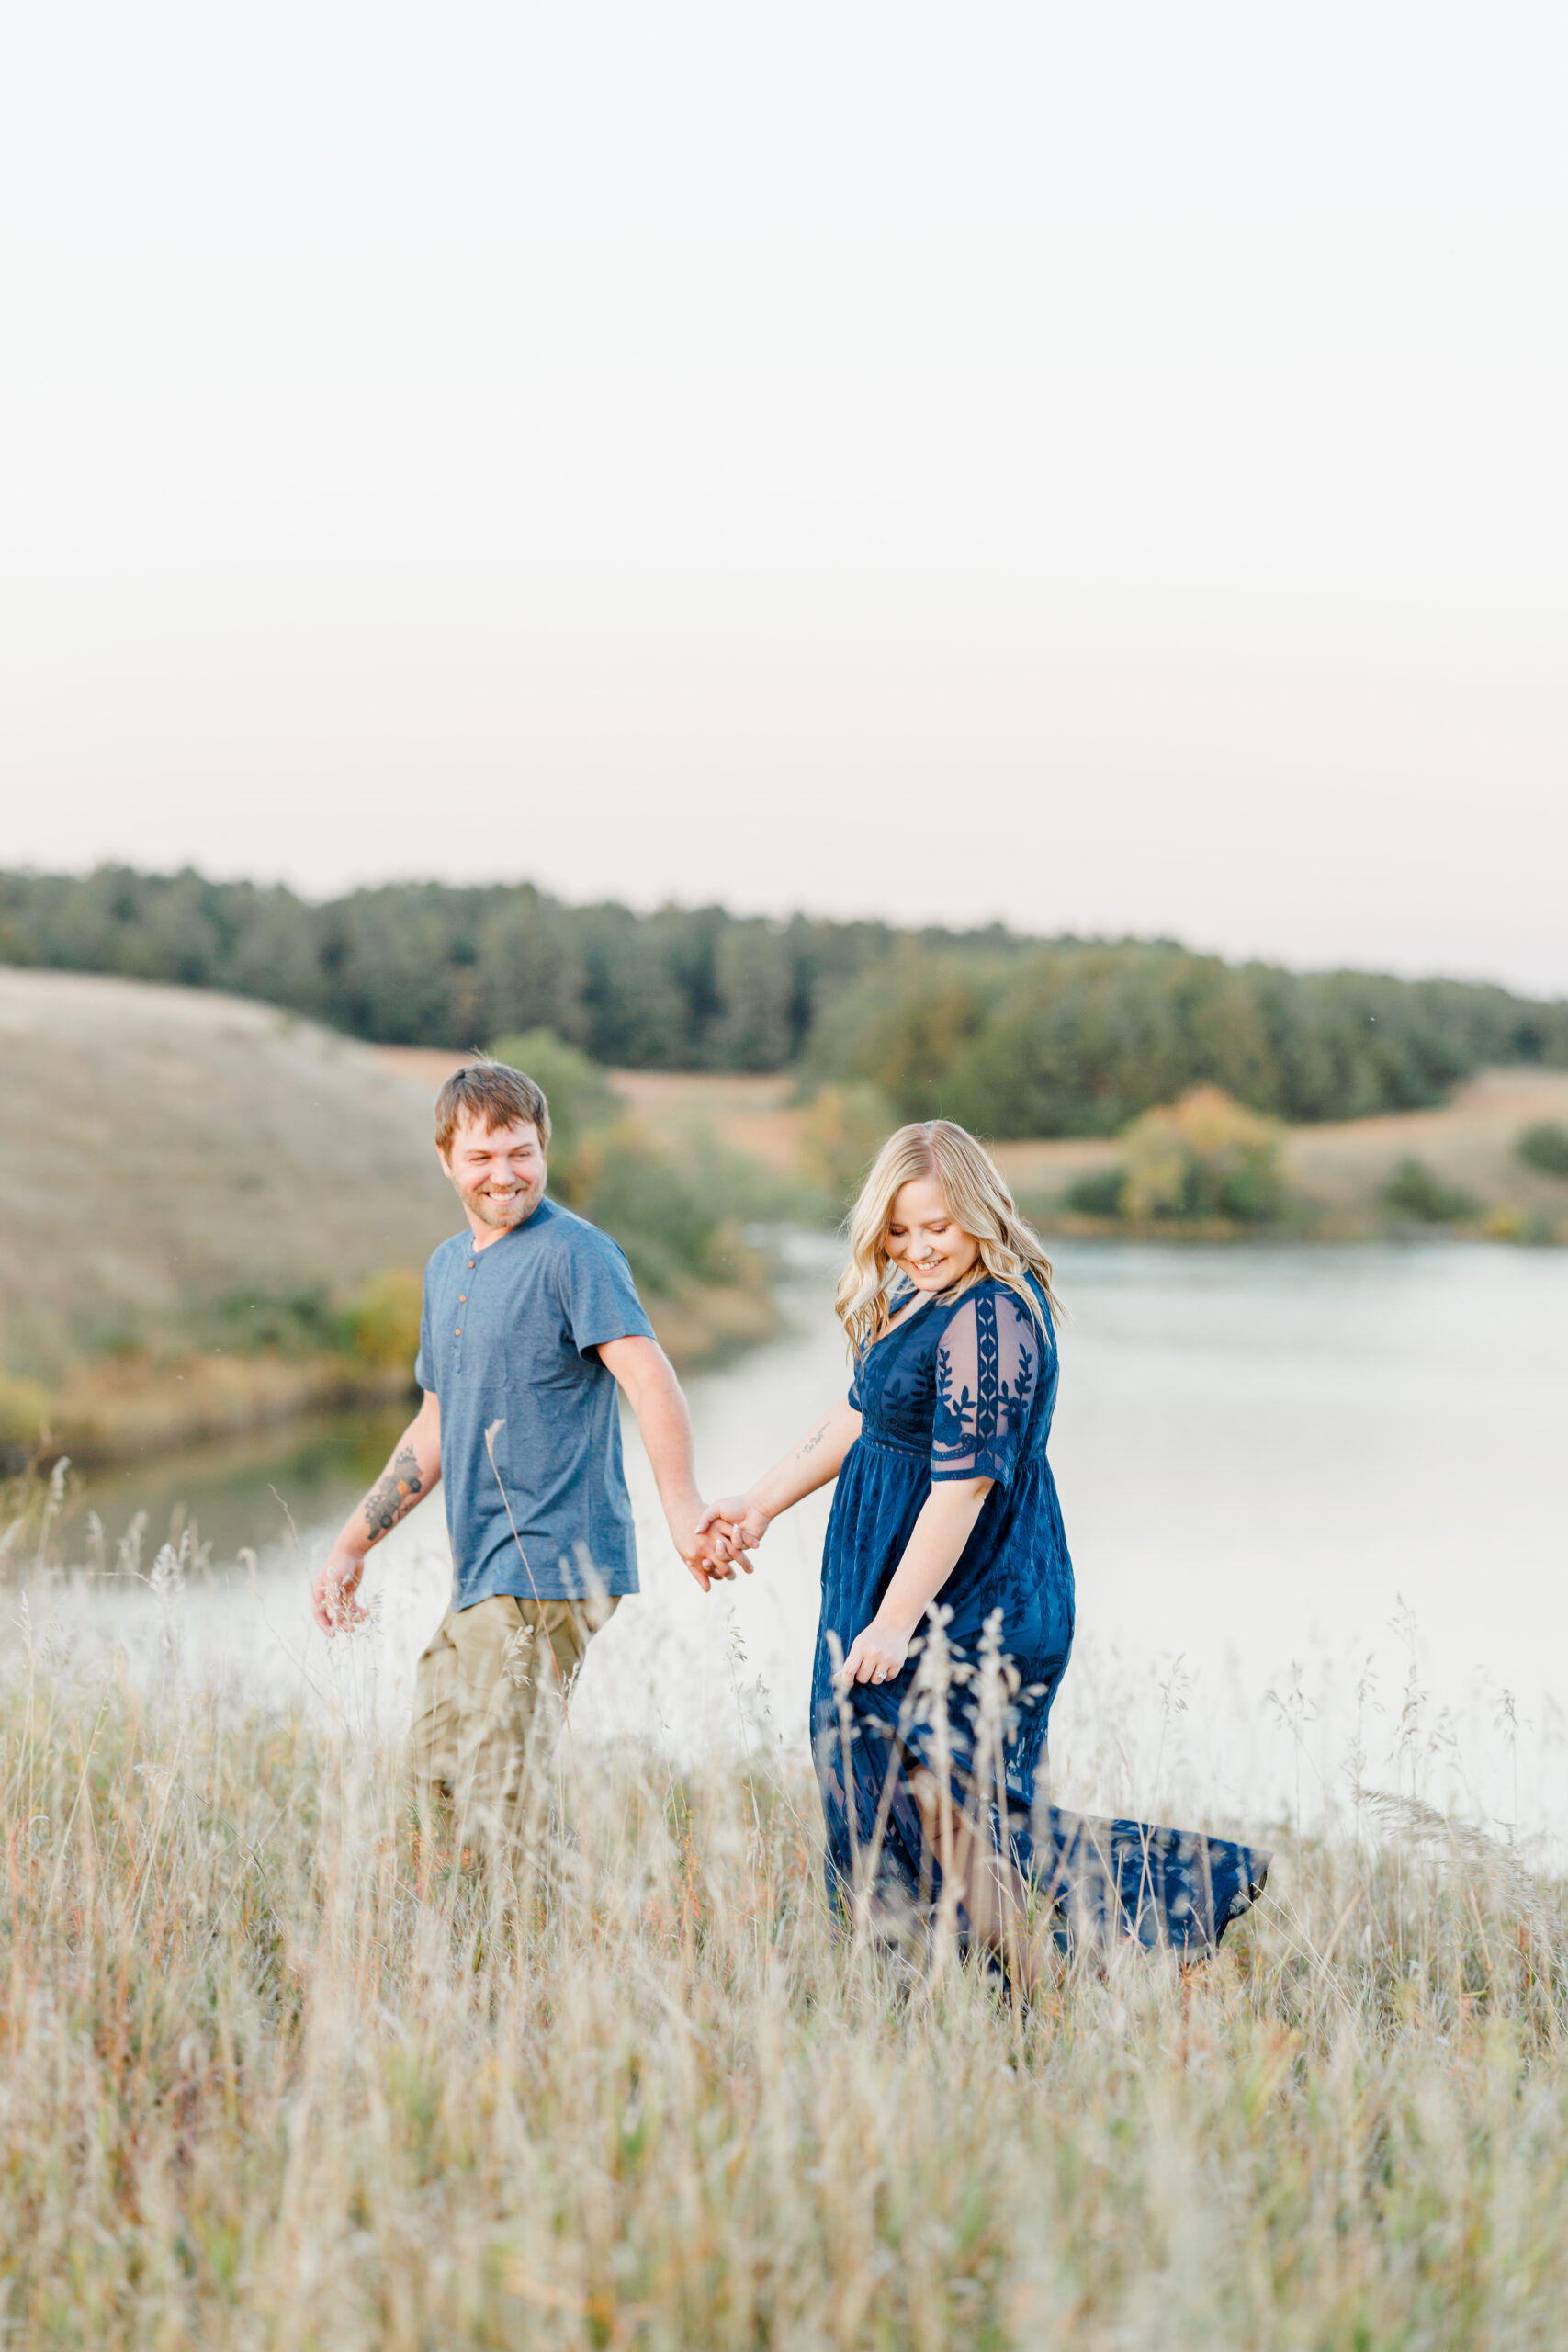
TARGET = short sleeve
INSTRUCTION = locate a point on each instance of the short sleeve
(424, 1363)
(855, 1405)
(987, 1368)
(598, 1294)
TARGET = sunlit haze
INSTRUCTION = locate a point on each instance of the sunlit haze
(1102, 468)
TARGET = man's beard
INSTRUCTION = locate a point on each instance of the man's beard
(501, 1214)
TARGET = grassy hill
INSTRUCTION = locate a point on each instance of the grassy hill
(213, 1212)
(202, 1200)
(160, 1144)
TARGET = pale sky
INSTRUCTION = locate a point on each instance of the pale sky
(1102, 467)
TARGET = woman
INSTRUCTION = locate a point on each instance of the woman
(928, 1744)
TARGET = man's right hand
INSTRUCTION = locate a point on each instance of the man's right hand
(332, 1602)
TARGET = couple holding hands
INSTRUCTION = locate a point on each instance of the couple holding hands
(947, 1588)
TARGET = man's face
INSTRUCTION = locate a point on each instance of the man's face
(499, 1172)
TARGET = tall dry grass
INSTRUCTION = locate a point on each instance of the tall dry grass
(258, 2091)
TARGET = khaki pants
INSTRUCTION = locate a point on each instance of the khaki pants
(489, 1705)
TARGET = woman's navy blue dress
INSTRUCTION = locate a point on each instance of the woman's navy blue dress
(965, 1388)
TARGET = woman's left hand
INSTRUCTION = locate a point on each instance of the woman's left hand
(877, 1654)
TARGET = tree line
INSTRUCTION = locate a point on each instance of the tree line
(1078, 1038)
(1014, 1035)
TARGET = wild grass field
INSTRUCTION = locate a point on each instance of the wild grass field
(260, 2089)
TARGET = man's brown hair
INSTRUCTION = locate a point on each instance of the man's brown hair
(492, 1095)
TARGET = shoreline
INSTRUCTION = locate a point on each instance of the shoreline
(130, 1408)
(127, 1410)
(201, 1227)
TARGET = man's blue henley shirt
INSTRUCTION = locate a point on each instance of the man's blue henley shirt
(508, 1336)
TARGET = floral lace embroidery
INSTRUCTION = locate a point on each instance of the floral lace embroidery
(986, 1362)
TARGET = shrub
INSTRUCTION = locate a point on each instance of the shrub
(293, 1323)
(1544, 1146)
(674, 1217)
(670, 1233)
(578, 1092)
(385, 1318)
(1415, 1191)
(24, 1412)
(1203, 1156)
(1099, 1193)
(844, 1129)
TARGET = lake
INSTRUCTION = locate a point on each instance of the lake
(1315, 1499)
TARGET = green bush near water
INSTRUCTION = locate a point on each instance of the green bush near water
(677, 1216)
(24, 1407)
(844, 1129)
(1099, 1193)
(378, 1323)
(581, 1097)
(1544, 1148)
(1415, 1191)
(1202, 1159)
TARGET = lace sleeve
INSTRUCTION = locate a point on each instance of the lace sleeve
(986, 1366)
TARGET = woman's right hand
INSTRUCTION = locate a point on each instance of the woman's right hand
(733, 1526)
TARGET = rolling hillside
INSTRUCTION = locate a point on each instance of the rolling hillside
(213, 1212)
(171, 1165)
(160, 1145)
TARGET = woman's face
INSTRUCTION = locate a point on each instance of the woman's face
(923, 1239)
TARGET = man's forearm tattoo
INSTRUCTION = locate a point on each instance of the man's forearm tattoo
(395, 1493)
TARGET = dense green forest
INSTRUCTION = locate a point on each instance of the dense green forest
(1078, 1038)
(1014, 1035)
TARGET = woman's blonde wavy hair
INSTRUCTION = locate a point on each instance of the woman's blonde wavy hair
(979, 1202)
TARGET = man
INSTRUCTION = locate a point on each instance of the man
(530, 1321)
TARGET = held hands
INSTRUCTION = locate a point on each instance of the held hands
(732, 1528)
(703, 1537)
(714, 1537)
(332, 1602)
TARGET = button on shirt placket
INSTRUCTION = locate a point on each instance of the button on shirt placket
(462, 1301)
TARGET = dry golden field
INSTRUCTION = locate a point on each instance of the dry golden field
(260, 2090)
(1468, 1142)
